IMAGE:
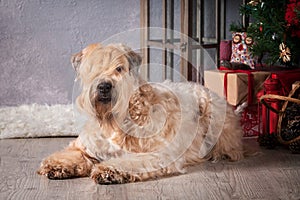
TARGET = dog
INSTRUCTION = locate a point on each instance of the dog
(138, 131)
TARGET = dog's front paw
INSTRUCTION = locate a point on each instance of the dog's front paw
(55, 170)
(107, 175)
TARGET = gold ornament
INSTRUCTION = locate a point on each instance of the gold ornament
(254, 2)
(237, 38)
(285, 53)
(249, 41)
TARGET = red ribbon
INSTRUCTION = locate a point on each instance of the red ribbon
(250, 83)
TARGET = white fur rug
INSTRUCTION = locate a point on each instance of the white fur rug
(38, 121)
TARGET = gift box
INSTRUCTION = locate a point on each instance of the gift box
(239, 86)
(234, 84)
(279, 83)
(286, 79)
(250, 121)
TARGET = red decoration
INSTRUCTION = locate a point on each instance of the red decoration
(250, 83)
(279, 83)
(269, 118)
(260, 28)
(291, 17)
(250, 116)
(250, 121)
(225, 50)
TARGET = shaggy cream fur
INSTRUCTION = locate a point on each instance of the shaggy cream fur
(38, 121)
(137, 130)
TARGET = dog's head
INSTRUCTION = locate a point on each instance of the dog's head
(109, 76)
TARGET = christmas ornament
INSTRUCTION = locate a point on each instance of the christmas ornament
(274, 36)
(268, 140)
(260, 27)
(237, 38)
(295, 147)
(291, 121)
(249, 41)
(254, 2)
(285, 53)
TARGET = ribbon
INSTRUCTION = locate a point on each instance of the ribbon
(250, 83)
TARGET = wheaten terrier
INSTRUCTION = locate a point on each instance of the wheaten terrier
(138, 131)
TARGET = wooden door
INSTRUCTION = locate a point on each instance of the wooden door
(180, 42)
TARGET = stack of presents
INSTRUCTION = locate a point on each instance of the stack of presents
(242, 82)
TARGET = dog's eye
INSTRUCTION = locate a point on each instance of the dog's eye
(119, 69)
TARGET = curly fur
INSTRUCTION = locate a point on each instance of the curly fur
(147, 130)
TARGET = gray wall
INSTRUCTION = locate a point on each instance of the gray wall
(37, 38)
(232, 15)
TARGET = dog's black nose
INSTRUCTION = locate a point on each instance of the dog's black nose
(104, 87)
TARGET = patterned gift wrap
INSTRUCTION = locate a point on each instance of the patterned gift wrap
(250, 121)
(241, 44)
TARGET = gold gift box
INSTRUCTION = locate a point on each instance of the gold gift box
(237, 84)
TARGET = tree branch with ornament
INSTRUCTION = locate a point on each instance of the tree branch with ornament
(275, 31)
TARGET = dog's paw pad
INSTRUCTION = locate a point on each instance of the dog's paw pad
(105, 176)
(54, 172)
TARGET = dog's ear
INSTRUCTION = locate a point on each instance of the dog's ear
(76, 61)
(134, 58)
(77, 58)
(135, 61)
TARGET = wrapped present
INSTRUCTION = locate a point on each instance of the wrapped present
(279, 83)
(239, 86)
(287, 78)
(250, 121)
(236, 86)
(241, 44)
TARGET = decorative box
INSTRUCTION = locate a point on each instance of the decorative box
(250, 121)
(279, 83)
(235, 85)
(241, 44)
(239, 86)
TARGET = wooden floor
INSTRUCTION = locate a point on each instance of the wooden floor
(275, 174)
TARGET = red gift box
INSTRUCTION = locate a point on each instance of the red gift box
(279, 83)
(250, 121)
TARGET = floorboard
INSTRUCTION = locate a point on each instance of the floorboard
(274, 174)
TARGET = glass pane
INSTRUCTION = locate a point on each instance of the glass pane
(203, 59)
(169, 65)
(155, 19)
(209, 20)
(210, 59)
(159, 72)
(176, 66)
(232, 15)
(196, 12)
(177, 18)
(155, 65)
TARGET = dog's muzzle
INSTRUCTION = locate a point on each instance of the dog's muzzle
(104, 92)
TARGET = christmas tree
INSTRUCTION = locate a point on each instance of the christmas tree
(275, 29)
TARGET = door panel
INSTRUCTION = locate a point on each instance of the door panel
(185, 40)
